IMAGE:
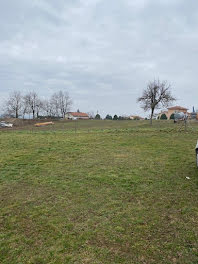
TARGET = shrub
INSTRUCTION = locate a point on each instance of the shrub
(172, 116)
(163, 117)
(109, 117)
(97, 116)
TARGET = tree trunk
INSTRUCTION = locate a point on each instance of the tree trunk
(151, 120)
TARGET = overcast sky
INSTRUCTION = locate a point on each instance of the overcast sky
(103, 52)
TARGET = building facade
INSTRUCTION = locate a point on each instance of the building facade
(173, 110)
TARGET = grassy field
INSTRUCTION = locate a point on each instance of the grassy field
(99, 192)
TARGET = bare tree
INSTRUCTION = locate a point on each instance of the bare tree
(61, 102)
(65, 102)
(39, 107)
(25, 107)
(54, 101)
(32, 100)
(47, 108)
(91, 114)
(14, 104)
(156, 95)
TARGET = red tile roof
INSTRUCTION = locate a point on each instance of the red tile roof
(177, 108)
(78, 114)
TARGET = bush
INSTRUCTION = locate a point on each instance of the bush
(97, 117)
(115, 117)
(172, 116)
(109, 117)
(163, 117)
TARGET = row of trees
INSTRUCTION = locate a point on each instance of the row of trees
(155, 96)
(108, 117)
(19, 105)
(115, 117)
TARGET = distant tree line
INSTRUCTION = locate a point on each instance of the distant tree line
(108, 117)
(115, 117)
(21, 105)
(155, 96)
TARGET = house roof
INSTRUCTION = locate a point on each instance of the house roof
(177, 108)
(78, 114)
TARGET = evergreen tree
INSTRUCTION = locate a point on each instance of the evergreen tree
(172, 117)
(97, 117)
(163, 117)
(109, 117)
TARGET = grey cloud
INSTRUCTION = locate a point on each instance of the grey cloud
(102, 52)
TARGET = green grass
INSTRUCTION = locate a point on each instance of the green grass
(113, 192)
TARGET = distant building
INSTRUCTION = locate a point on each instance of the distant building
(76, 115)
(173, 110)
(135, 117)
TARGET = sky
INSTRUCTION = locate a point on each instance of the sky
(103, 52)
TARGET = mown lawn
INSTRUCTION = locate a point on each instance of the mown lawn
(106, 194)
